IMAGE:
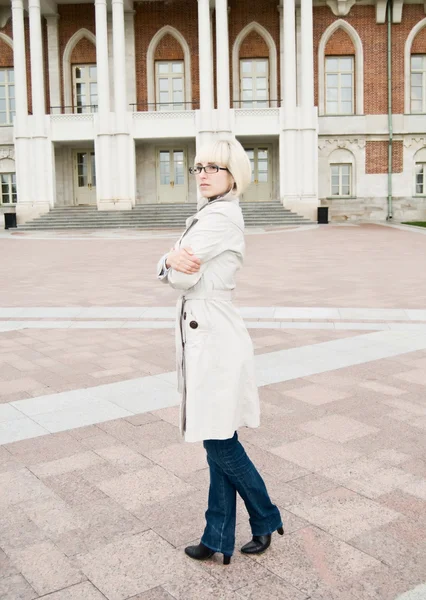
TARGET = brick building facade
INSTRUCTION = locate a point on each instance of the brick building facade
(114, 100)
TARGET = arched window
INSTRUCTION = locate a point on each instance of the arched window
(7, 81)
(169, 71)
(254, 68)
(415, 70)
(342, 175)
(340, 76)
(420, 173)
(79, 69)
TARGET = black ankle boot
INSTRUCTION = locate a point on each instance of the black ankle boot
(201, 552)
(259, 543)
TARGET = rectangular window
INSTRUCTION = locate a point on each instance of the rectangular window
(420, 178)
(254, 83)
(341, 180)
(339, 85)
(170, 85)
(8, 188)
(418, 83)
(7, 96)
(85, 84)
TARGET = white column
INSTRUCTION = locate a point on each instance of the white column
(53, 63)
(19, 62)
(309, 120)
(307, 55)
(129, 18)
(289, 54)
(37, 72)
(102, 56)
(120, 93)
(204, 53)
(222, 65)
(289, 139)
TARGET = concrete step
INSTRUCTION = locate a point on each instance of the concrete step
(155, 216)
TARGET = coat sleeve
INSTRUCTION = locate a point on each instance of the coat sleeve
(208, 238)
(162, 270)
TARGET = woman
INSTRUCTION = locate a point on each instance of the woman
(215, 361)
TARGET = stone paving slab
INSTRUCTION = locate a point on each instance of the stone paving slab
(103, 511)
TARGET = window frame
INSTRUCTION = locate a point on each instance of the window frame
(340, 194)
(9, 112)
(11, 194)
(339, 73)
(253, 75)
(170, 76)
(423, 86)
(423, 192)
(86, 108)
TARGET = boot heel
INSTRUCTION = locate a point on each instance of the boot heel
(226, 559)
(280, 530)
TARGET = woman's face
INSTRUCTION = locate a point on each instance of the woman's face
(213, 184)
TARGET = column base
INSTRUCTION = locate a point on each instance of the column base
(305, 207)
(29, 211)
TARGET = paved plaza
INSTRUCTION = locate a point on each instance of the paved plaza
(98, 493)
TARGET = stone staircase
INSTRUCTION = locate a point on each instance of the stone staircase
(155, 216)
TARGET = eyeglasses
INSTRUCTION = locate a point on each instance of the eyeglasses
(209, 169)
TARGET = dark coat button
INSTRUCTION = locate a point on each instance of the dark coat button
(193, 324)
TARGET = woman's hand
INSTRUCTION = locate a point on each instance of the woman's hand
(183, 260)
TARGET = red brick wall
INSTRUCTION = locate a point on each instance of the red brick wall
(254, 46)
(374, 40)
(73, 17)
(169, 49)
(150, 17)
(6, 55)
(419, 43)
(84, 53)
(340, 44)
(376, 157)
(265, 13)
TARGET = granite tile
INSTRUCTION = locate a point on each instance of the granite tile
(271, 588)
(15, 587)
(344, 513)
(313, 453)
(45, 568)
(310, 557)
(146, 486)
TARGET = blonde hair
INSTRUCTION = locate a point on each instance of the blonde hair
(229, 154)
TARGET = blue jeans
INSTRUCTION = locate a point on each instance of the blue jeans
(232, 471)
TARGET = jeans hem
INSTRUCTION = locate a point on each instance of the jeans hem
(216, 549)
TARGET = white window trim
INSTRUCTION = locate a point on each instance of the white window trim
(66, 61)
(9, 112)
(150, 66)
(339, 101)
(10, 190)
(79, 66)
(407, 65)
(264, 33)
(253, 77)
(350, 195)
(359, 66)
(423, 100)
(9, 42)
(170, 76)
(416, 193)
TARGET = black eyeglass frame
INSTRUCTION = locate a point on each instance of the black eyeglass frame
(198, 169)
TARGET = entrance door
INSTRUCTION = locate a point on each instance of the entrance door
(171, 175)
(85, 177)
(260, 189)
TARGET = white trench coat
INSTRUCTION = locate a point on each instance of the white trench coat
(214, 352)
